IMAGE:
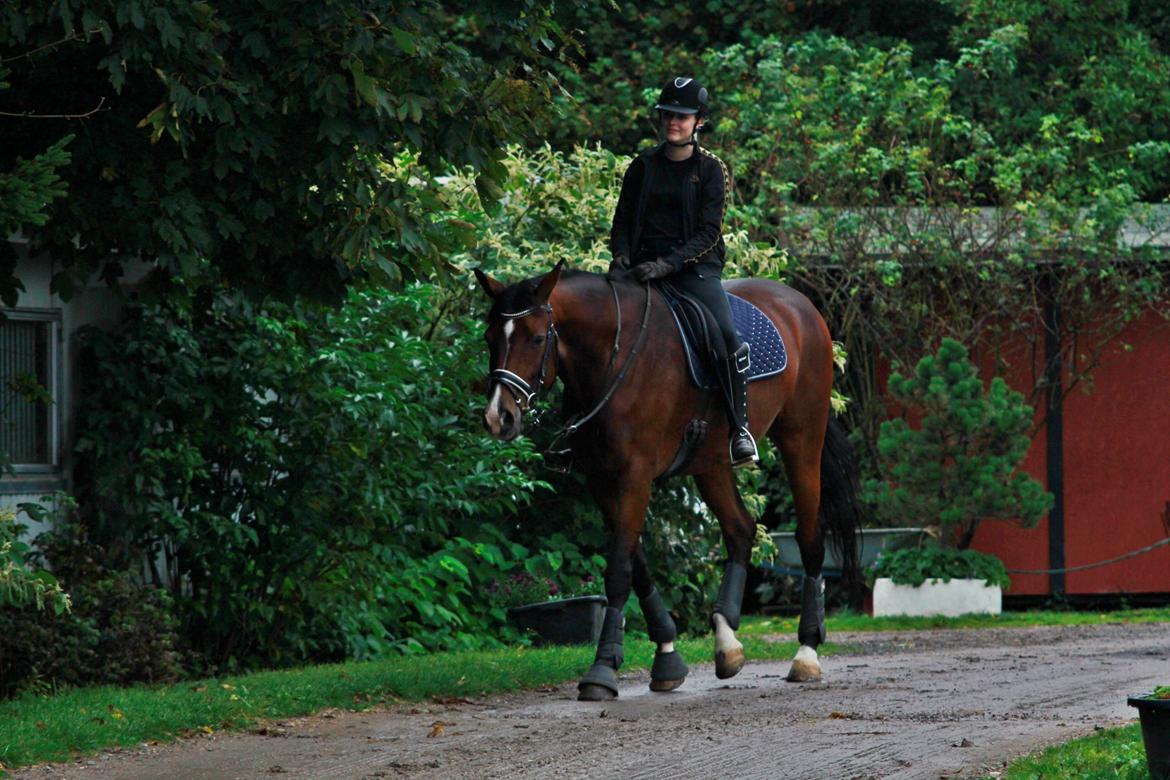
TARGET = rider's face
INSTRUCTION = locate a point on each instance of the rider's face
(677, 128)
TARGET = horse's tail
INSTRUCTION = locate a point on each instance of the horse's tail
(840, 511)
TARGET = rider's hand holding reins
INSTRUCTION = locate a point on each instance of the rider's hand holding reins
(654, 269)
(619, 268)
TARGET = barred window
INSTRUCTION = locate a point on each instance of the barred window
(28, 390)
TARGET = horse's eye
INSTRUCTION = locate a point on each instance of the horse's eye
(538, 339)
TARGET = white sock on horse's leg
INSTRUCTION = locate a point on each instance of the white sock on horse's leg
(806, 666)
(724, 637)
(729, 657)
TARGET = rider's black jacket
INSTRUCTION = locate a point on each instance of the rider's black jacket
(704, 201)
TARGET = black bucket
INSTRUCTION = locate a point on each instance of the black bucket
(575, 621)
(1155, 715)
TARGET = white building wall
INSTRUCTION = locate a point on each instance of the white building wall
(92, 304)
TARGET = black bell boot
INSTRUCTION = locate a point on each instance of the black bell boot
(743, 446)
(600, 683)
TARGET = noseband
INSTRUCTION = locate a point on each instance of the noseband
(524, 393)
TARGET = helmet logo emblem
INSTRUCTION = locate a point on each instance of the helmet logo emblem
(681, 82)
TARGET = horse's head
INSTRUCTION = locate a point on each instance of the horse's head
(522, 341)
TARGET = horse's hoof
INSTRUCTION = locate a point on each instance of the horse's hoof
(661, 686)
(668, 672)
(729, 662)
(805, 667)
(803, 672)
(600, 683)
(591, 692)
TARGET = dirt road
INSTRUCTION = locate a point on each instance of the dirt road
(911, 705)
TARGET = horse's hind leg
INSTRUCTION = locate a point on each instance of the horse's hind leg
(801, 450)
(669, 669)
(722, 497)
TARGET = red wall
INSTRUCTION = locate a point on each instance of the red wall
(1116, 475)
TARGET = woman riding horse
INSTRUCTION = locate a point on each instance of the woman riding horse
(669, 225)
(633, 403)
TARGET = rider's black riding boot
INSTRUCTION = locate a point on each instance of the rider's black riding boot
(743, 446)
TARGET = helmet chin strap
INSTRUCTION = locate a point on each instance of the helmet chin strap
(689, 142)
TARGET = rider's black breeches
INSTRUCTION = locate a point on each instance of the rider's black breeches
(702, 281)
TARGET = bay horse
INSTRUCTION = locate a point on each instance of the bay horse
(632, 400)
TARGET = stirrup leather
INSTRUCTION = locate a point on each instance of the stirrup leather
(742, 447)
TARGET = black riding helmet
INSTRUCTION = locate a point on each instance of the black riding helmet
(683, 95)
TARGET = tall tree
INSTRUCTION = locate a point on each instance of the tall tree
(277, 146)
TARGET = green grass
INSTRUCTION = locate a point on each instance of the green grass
(36, 729)
(757, 626)
(1112, 754)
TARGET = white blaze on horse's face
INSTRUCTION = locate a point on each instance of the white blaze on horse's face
(516, 347)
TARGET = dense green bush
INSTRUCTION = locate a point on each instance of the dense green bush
(117, 632)
(916, 565)
(305, 483)
(40, 652)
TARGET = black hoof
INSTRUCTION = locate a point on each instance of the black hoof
(591, 692)
(668, 672)
(663, 686)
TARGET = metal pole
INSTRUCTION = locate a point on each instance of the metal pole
(1054, 431)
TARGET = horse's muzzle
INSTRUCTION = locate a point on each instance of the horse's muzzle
(501, 418)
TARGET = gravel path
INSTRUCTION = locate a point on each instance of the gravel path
(925, 704)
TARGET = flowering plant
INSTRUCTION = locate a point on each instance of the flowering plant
(523, 587)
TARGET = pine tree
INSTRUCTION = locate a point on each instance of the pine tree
(960, 464)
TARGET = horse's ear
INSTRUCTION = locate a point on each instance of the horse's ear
(489, 285)
(549, 282)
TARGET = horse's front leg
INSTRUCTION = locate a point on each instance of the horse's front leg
(624, 507)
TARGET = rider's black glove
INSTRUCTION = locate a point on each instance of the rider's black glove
(654, 269)
(619, 268)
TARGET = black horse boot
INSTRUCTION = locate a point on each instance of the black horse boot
(743, 446)
(669, 669)
(600, 683)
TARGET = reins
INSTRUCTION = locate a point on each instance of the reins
(571, 427)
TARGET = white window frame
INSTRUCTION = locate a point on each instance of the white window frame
(52, 317)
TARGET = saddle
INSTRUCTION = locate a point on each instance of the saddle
(704, 347)
(705, 351)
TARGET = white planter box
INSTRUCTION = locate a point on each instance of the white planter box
(935, 597)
